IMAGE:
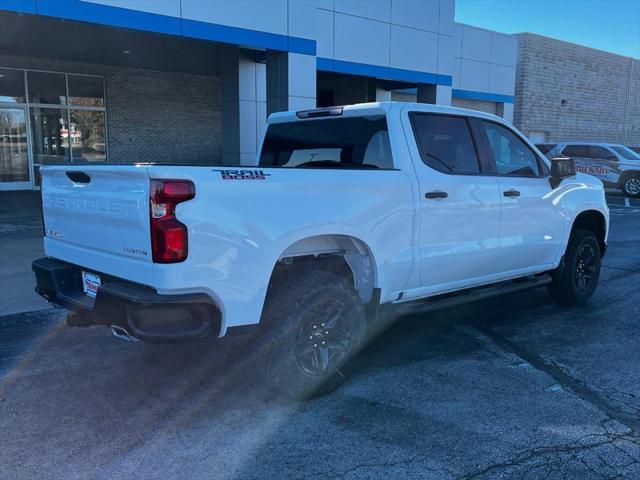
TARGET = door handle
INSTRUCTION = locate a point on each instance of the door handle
(436, 194)
(78, 177)
(511, 193)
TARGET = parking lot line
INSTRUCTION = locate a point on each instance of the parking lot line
(622, 205)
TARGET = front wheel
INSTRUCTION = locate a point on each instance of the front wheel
(631, 186)
(314, 324)
(575, 282)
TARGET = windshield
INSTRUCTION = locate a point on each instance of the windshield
(355, 142)
(625, 152)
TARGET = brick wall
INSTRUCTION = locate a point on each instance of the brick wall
(151, 115)
(404, 97)
(163, 117)
(633, 115)
(602, 100)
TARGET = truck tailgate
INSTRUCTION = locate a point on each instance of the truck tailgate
(97, 216)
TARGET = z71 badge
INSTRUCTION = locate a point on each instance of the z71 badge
(243, 174)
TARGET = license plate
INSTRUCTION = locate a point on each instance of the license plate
(90, 283)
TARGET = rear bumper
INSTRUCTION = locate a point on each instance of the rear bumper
(139, 309)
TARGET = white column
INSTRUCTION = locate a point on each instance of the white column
(443, 95)
(244, 108)
(291, 81)
(505, 110)
(383, 95)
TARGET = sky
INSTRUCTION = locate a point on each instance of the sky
(611, 25)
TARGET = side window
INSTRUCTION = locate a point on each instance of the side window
(581, 151)
(378, 151)
(512, 156)
(600, 153)
(445, 143)
(342, 142)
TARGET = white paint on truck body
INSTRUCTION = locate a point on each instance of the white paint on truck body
(239, 229)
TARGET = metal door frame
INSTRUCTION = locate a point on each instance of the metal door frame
(28, 185)
(26, 105)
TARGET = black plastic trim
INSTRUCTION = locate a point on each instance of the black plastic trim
(126, 304)
(472, 294)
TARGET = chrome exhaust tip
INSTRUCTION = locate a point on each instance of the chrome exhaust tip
(122, 333)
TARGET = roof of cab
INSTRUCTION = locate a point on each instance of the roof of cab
(591, 144)
(378, 108)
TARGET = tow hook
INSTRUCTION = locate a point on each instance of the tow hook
(45, 296)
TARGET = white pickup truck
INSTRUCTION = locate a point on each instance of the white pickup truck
(347, 208)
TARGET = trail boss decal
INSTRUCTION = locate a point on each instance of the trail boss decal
(243, 174)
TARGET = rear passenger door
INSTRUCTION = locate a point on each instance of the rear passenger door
(603, 164)
(458, 204)
(532, 225)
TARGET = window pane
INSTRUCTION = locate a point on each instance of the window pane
(576, 151)
(46, 87)
(86, 91)
(14, 160)
(511, 154)
(601, 153)
(87, 136)
(445, 143)
(626, 152)
(50, 135)
(360, 142)
(11, 86)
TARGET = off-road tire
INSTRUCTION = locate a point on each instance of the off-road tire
(294, 299)
(566, 287)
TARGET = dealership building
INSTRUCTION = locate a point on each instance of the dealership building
(568, 92)
(192, 81)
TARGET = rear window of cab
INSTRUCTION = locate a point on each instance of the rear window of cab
(346, 143)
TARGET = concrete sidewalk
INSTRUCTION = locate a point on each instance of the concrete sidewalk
(21, 241)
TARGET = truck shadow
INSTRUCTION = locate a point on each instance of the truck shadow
(137, 397)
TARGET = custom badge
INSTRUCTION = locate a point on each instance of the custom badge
(243, 174)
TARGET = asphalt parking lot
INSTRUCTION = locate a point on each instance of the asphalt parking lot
(517, 387)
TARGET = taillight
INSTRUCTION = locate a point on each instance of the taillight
(169, 238)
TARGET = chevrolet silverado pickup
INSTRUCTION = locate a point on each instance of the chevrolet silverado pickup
(346, 209)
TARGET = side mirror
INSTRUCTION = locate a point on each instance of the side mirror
(561, 167)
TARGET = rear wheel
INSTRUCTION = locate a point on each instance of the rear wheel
(575, 281)
(631, 186)
(314, 324)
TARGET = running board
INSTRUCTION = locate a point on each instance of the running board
(472, 295)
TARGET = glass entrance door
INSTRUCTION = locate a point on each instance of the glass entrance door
(14, 149)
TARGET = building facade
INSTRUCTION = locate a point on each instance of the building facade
(568, 92)
(193, 81)
(483, 71)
